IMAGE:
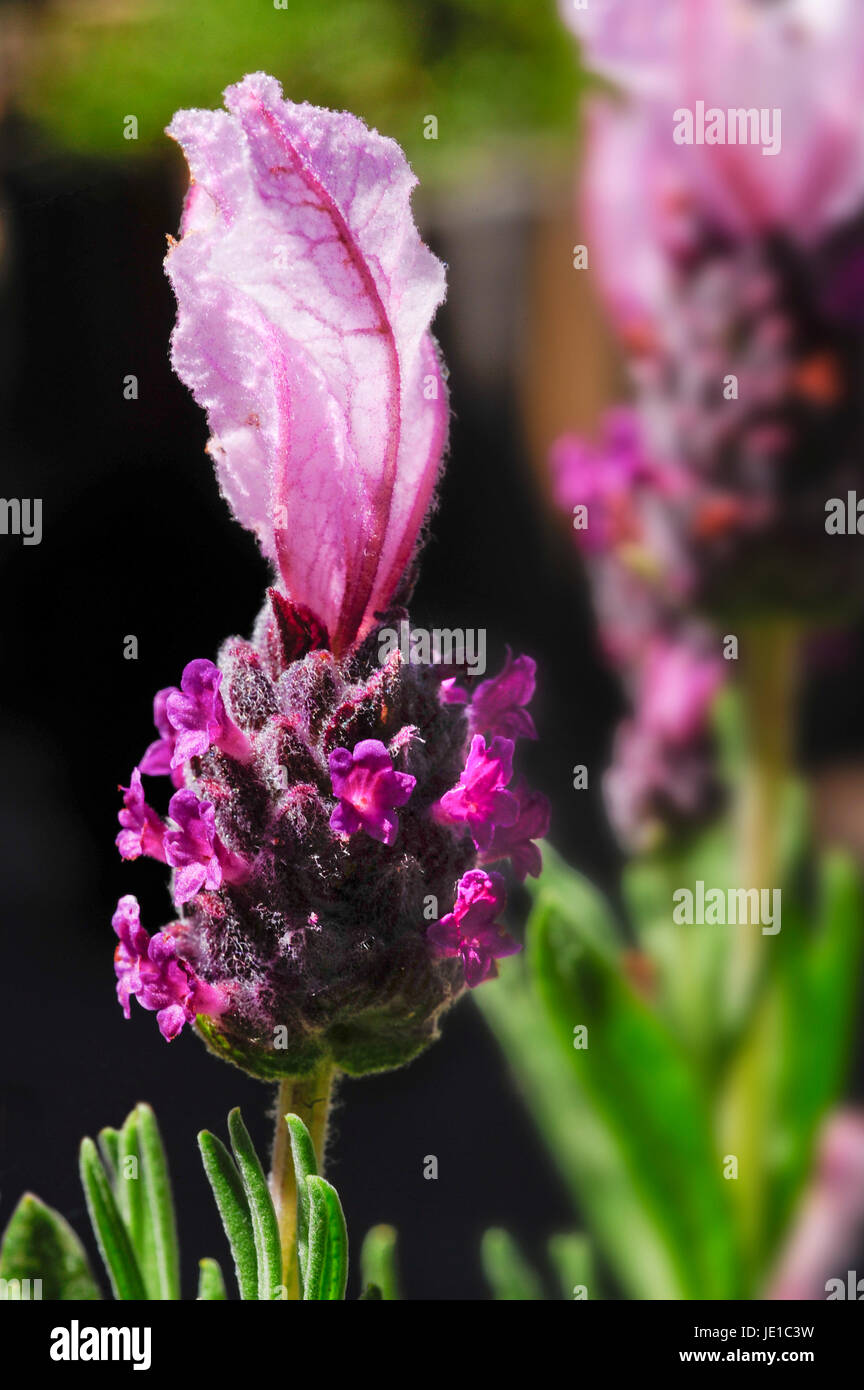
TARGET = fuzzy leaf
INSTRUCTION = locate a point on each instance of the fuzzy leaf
(580, 1141)
(813, 1002)
(265, 1227)
(112, 1237)
(39, 1244)
(160, 1206)
(327, 1269)
(305, 1166)
(233, 1209)
(132, 1202)
(109, 1148)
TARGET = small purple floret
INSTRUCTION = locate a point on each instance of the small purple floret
(142, 830)
(470, 930)
(197, 714)
(156, 761)
(195, 851)
(369, 789)
(497, 706)
(148, 967)
(480, 800)
(516, 842)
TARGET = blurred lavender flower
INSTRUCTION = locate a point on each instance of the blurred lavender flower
(734, 271)
(737, 280)
(663, 773)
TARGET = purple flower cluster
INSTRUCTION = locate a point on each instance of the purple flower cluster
(302, 893)
(150, 968)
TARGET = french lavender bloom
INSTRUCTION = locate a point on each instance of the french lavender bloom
(663, 774)
(329, 908)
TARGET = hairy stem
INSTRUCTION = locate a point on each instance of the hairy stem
(309, 1097)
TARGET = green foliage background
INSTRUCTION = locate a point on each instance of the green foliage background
(496, 73)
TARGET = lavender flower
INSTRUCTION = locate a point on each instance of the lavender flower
(470, 931)
(142, 829)
(331, 807)
(149, 968)
(480, 800)
(369, 790)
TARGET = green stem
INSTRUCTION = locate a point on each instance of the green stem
(768, 689)
(310, 1098)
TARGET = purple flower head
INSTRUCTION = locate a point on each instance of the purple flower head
(156, 761)
(195, 851)
(304, 298)
(197, 714)
(149, 968)
(470, 930)
(516, 842)
(479, 800)
(142, 828)
(369, 789)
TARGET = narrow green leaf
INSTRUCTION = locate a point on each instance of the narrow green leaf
(508, 1273)
(112, 1237)
(265, 1227)
(327, 1268)
(211, 1285)
(132, 1202)
(573, 1260)
(590, 1139)
(641, 1082)
(378, 1261)
(109, 1148)
(233, 1208)
(579, 1138)
(305, 1166)
(39, 1245)
(160, 1205)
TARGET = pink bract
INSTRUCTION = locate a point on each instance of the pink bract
(304, 298)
